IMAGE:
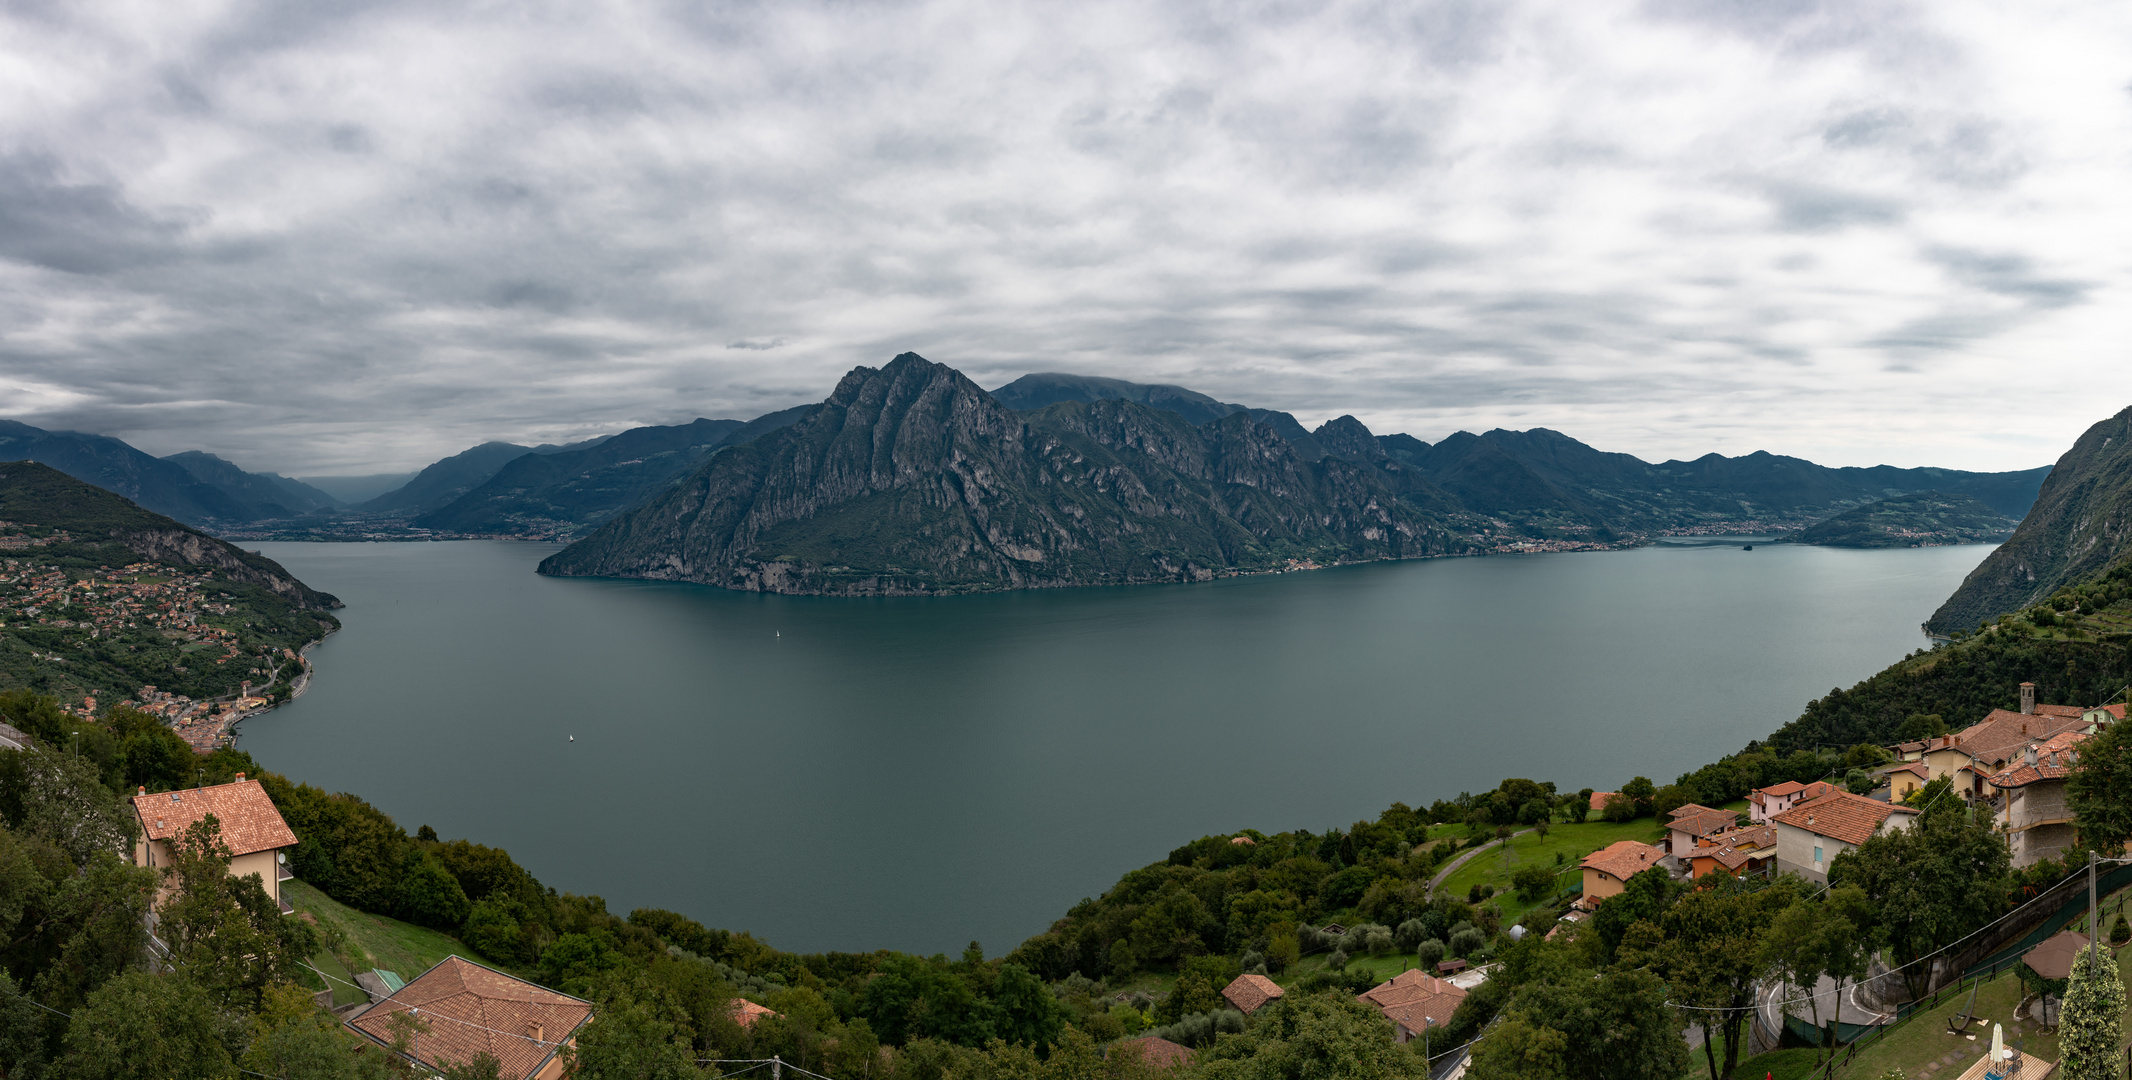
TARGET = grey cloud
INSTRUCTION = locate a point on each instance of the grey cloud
(78, 228)
(715, 210)
(1811, 208)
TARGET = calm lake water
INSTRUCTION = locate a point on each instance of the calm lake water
(919, 773)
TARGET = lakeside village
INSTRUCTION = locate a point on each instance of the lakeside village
(2011, 765)
(52, 608)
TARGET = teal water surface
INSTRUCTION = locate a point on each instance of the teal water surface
(919, 773)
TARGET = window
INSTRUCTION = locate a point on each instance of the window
(1817, 856)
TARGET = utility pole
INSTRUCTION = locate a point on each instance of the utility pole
(777, 1067)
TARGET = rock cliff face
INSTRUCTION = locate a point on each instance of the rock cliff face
(2081, 525)
(910, 479)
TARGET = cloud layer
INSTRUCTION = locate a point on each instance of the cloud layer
(352, 238)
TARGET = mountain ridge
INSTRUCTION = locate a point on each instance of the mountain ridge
(912, 480)
(2080, 526)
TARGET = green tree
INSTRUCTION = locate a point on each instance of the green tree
(2091, 1024)
(1028, 1013)
(1670, 798)
(1172, 928)
(1518, 1049)
(1533, 881)
(1618, 808)
(910, 998)
(225, 932)
(1714, 956)
(1618, 1026)
(293, 1039)
(635, 1034)
(143, 1026)
(1643, 792)
(2100, 789)
(1819, 937)
(429, 895)
(1918, 726)
(1643, 898)
(1319, 1037)
(1928, 884)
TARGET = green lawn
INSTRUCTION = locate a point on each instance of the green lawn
(1572, 842)
(1793, 1064)
(1924, 1037)
(358, 941)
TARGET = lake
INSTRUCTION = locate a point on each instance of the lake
(917, 773)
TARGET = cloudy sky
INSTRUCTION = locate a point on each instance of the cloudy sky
(346, 238)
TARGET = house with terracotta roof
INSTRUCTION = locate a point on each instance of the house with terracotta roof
(1414, 1001)
(470, 1009)
(1607, 870)
(1249, 993)
(1160, 1053)
(1691, 823)
(1811, 835)
(1739, 852)
(746, 1012)
(1599, 799)
(1766, 803)
(2034, 814)
(1903, 778)
(257, 837)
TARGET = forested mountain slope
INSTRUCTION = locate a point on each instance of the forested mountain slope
(912, 479)
(2080, 525)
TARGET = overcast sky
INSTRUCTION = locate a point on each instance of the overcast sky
(348, 238)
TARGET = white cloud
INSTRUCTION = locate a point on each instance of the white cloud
(1854, 233)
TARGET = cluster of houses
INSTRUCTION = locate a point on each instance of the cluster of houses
(2015, 763)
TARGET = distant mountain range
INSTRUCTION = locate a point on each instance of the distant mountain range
(1923, 520)
(1497, 490)
(909, 479)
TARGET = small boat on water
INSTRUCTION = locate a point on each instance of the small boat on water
(1747, 547)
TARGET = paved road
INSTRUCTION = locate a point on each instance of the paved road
(1850, 1011)
(1452, 866)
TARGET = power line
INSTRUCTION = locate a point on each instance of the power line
(1928, 956)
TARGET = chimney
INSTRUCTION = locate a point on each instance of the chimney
(538, 1032)
(2031, 755)
(240, 778)
(2028, 699)
(144, 789)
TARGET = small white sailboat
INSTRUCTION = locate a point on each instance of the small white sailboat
(573, 738)
(776, 633)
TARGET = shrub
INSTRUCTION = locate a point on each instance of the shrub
(1410, 934)
(1619, 808)
(1337, 960)
(1372, 938)
(1429, 953)
(1533, 881)
(1467, 941)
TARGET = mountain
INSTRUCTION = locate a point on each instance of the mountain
(161, 486)
(2080, 526)
(355, 489)
(35, 494)
(265, 492)
(910, 479)
(1032, 392)
(539, 493)
(1924, 520)
(1543, 482)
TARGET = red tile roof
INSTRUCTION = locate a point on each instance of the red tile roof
(1599, 798)
(746, 1012)
(2054, 761)
(247, 817)
(1739, 847)
(1778, 791)
(1994, 739)
(1414, 999)
(1689, 808)
(1852, 819)
(473, 1010)
(1160, 1052)
(1706, 822)
(1250, 993)
(1623, 859)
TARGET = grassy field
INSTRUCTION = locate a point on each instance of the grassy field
(357, 941)
(1571, 842)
